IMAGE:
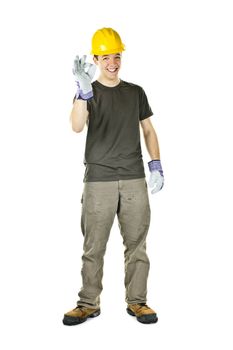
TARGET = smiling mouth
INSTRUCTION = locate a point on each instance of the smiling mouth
(112, 70)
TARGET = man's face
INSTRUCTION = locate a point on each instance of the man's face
(109, 65)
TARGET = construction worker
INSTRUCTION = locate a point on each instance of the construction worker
(114, 179)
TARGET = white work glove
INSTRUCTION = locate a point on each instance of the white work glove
(156, 180)
(83, 73)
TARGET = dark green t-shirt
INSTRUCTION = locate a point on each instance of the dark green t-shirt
(113, 149)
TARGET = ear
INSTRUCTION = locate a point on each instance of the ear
(95, 60)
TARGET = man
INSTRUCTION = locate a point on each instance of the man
(114, 179)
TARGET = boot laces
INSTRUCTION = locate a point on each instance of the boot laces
(143, 306)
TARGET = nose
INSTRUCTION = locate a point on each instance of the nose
(112, 61)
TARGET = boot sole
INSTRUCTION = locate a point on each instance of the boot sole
(145, 318)
(72, 321)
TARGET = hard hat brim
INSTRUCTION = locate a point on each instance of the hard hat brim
(108, 52)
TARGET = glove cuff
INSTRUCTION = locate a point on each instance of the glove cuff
(80, 95)
(155, 165)
(83, 96)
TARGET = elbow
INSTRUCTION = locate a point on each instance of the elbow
(147, 134)
(76, 129)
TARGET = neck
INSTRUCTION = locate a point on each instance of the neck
(109, 82)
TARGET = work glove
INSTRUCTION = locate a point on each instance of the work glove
(156, 179)
(83, 73)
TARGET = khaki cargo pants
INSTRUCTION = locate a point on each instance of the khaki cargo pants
(101, 201)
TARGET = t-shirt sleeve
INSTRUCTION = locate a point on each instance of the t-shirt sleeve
(89, 106)
(145, 110)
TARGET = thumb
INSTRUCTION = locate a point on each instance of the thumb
(91, 71)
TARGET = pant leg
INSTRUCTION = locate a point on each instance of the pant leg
(134, 220)
(99, 206)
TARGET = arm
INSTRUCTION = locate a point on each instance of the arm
(156, 180)
(83, 77)
(79, 115)
(150, 138)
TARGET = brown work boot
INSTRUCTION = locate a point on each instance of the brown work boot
(143, 313)
(79, 315)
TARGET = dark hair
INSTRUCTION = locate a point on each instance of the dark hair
(96, 56)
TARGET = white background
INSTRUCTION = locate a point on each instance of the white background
(181, 53)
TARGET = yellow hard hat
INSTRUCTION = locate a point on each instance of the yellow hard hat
(106, 41)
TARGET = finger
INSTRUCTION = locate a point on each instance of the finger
(153, 178)
(75, 70)
(91, 71)
(76, 65)
(83, 60)
(86, 65)
(155, 190)
(151, 183)
(76, 58)
(158, 186)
